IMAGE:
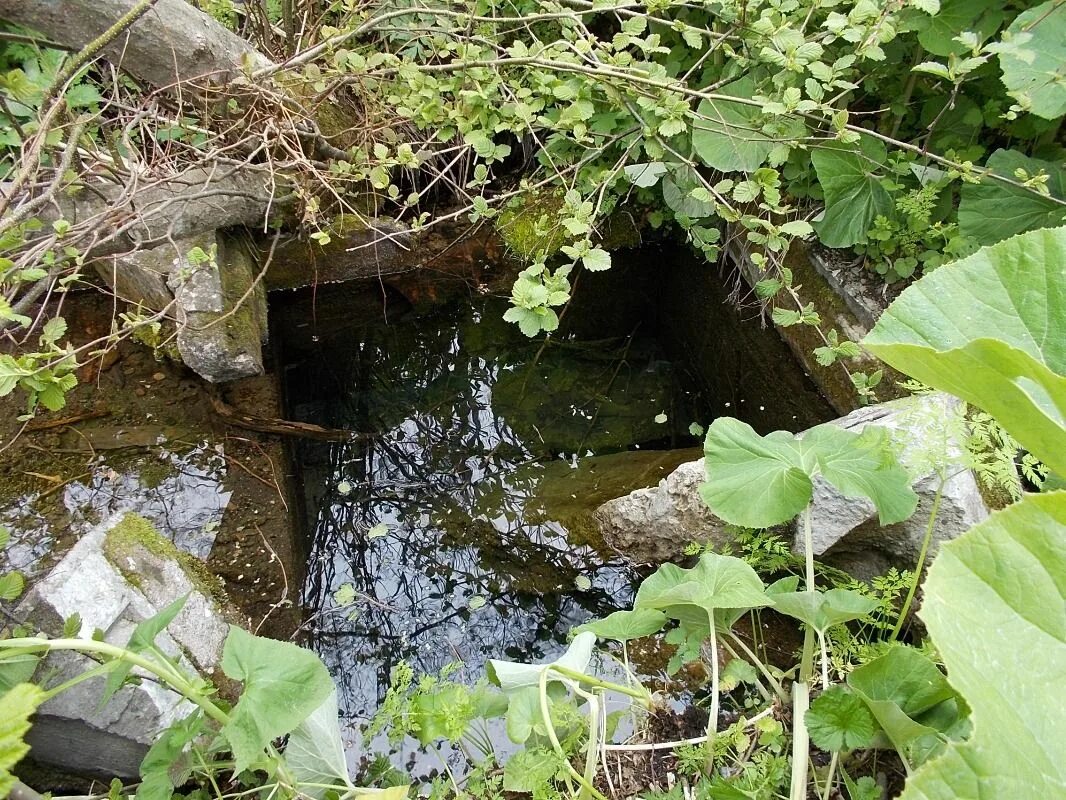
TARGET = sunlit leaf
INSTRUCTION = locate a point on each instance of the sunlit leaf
(937, 331)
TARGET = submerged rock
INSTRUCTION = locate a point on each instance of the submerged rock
(656, 524)
(653, 525)
(117, 576)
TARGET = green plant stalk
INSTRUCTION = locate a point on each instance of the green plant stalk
(587, 788)
(594, 734)
(774, 683)
(829, 775)
(926, 540)
(801, 688)
(712, 723)
(639, 692)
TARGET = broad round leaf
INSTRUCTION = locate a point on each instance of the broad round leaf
(512, 676)
(823, 610)
(938, 332)
(283, 685)
(754, 481)
(621, 626)
(838, 720)
(720, 585)
(995, 605)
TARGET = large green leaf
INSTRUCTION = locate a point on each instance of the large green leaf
(315, 752)
(911, 700)
(512, 676)
(936, 331)
(995, 604)
(991, 210)
(823, 610)
(718, 585)
(754, 481)
(1033, 58)
(16, 708)
(621, 626)
(759, 481)
(727, 136)
(283, 685)
(854, 196)
(863, 465)
(937, 34)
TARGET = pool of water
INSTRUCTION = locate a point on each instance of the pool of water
(459, 528)
(450, 534)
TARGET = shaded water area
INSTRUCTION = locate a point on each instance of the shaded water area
(460, 530)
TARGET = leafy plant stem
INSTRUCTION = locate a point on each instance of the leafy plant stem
(775, 684)
(830, 774)
(637, 692)
(712, 723)
(801, 689)
(905, 609)
(587, 788)
(825, 659)
(163, 671)
(800, 744)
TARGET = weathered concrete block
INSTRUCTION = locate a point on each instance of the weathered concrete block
(221, 311)
(118, 575)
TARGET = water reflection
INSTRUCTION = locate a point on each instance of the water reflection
(180, 493)
(424, 546)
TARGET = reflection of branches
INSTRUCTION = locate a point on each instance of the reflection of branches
(451, 481)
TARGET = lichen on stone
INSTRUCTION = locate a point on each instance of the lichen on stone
(134, 531)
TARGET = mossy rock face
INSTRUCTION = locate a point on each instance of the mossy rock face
(530, 225)
(133, 532)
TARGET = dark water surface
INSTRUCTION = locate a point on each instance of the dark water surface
(459, 532)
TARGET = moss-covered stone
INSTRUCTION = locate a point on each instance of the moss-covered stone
(134, 531)
(530, 226)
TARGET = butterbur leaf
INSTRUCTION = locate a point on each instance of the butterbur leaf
(621, 626)
(720, 585)
(315, 751)
(523, 714)
(838, 720)
(911, 700)
(995, 604)
(862, 465)
(754, 481)
(283, 685)
(512, 676)
(760, 481)
(823, 610)
(16, 707)
(938, 329)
